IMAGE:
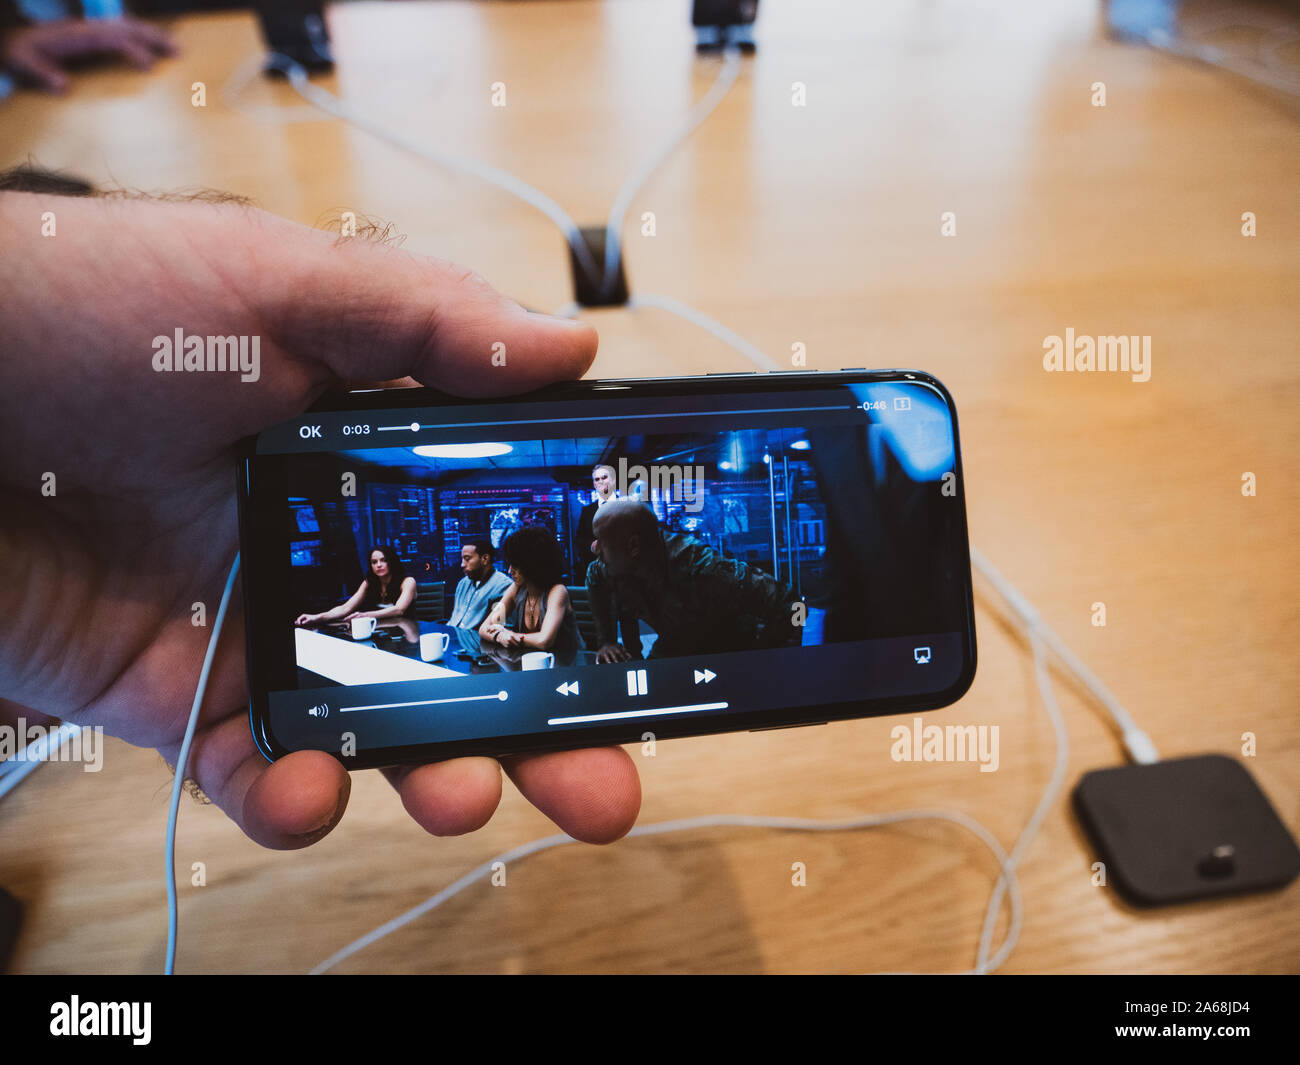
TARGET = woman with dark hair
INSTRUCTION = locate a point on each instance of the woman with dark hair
(387, 591)
(534, 614)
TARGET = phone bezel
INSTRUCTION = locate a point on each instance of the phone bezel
(256, 560)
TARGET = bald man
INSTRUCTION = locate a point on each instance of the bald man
(695, 600)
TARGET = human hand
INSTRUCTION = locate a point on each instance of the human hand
(306, 619)
(97, 579)
(38, 53)
(612, 652)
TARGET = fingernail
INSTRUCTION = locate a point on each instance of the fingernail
(335, 816)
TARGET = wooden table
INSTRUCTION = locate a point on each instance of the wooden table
(818, 225)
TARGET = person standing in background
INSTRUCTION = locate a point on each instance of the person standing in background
(602, 480)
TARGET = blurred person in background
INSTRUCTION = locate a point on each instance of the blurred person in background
(41, 39)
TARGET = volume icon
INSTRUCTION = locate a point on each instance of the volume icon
(320, 710)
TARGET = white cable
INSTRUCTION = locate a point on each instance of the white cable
(332, 105)
(15, 770)
(1054, 784)
(715, 821)
(502, 179)
(1138, 743)
(702, 110)
(232, 90)
(709, 325)
(182, 761)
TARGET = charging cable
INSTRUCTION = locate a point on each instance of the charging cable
(1136, 742)
(702, 110)
(508, 182)
(182, 760)
(688, 824)
(13, 771)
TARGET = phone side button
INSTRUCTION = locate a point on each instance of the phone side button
(801, 724)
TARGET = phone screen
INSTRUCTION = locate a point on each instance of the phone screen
(427, 577)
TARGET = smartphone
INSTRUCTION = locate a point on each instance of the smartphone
(783, 549)
(296, 29)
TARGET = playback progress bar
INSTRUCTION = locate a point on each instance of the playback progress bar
(625, 714)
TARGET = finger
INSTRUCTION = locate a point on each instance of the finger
(28, 60)
(293, 802)
(371, 311)
(11, 713)
(594, 794)
(449, 798)
(137, 53)
(284, 805)
(158, 39)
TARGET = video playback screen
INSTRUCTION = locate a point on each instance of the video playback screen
(512, 553)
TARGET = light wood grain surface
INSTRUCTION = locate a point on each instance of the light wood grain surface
(817, 225)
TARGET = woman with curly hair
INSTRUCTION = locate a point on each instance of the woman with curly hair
(534, 614)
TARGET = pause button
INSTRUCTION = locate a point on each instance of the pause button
(636, 682)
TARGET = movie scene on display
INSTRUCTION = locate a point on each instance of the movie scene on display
(447, 560)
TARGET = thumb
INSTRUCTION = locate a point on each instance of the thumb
(371, 312)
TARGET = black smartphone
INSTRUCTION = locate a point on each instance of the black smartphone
(296, 29)
(678, 557)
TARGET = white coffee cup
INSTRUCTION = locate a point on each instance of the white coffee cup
(538, 660)
(433, 645)
(363, 628)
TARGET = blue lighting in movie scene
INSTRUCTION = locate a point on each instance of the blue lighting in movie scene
(912, 421)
